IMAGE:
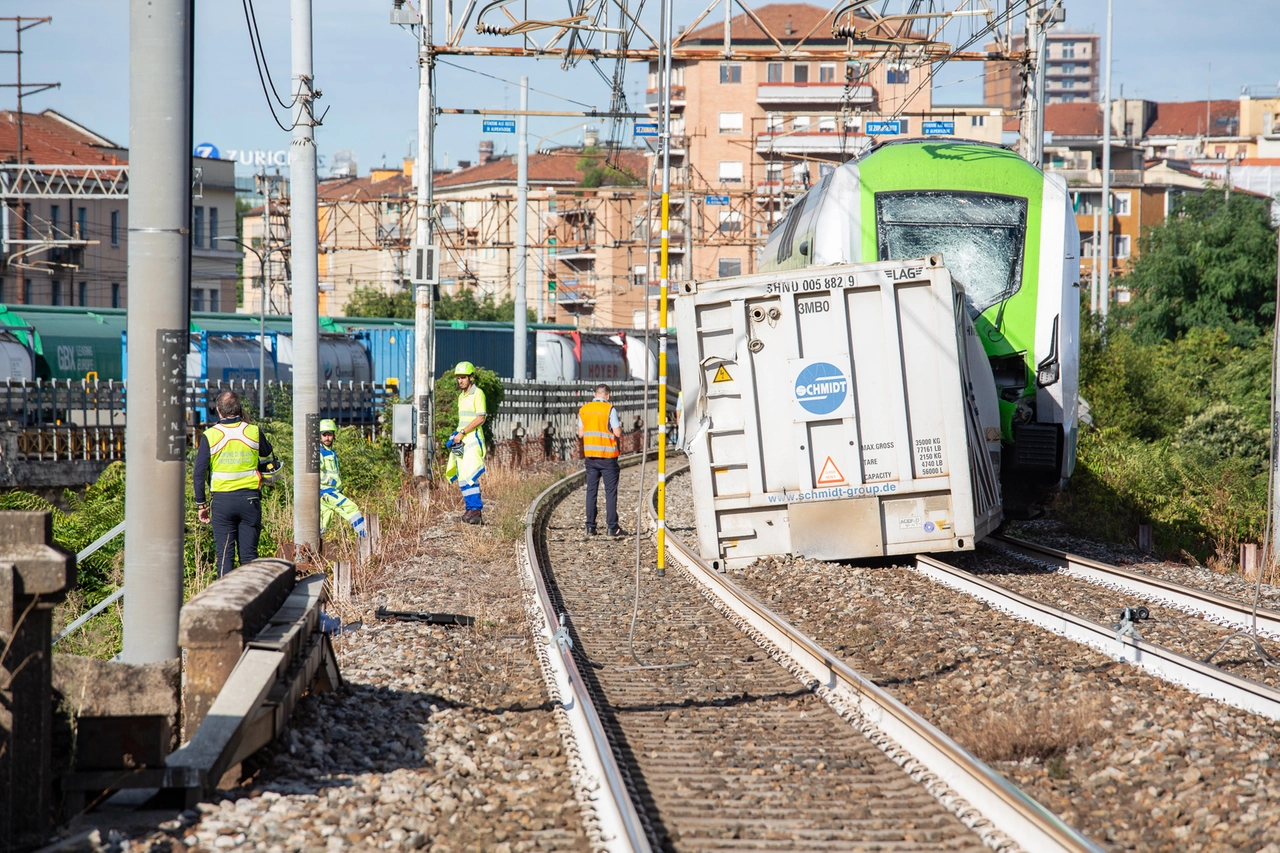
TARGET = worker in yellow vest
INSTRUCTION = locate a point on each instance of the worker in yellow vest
(228, 456)
(466, 444)
(600, 430)
(332, 500)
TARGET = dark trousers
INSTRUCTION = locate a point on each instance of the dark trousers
(608, 470)
(237, 520)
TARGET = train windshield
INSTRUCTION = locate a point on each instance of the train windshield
(980, 237)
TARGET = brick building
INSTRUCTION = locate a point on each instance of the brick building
(1072, 71)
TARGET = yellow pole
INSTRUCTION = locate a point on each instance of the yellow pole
(664, 285)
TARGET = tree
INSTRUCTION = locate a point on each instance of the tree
(1210, 264)
(597, 171)
(372, 302)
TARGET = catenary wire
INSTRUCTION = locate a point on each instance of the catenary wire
(258, 62)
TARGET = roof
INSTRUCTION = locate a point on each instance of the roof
(788, 22)
(557, 167)
(1078, 118)
(397, 185)
(1187, 118)
(51, 138)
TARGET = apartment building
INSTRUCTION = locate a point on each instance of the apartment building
(68, 249)
(748, 136)
(1072, 71)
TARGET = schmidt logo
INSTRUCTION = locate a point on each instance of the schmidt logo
(821, 388)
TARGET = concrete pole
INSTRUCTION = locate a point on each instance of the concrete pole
(521, 343)
(1093, 273)
(1031, 87)
(1042, 60)
(1104, 274)
(305, 237)
(424, 308)
(160, 35)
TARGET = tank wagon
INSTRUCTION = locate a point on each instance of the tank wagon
(1007, 235)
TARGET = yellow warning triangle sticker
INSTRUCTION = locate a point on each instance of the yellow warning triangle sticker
(829, 475)
(722, 375)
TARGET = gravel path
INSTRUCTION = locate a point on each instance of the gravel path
(1134, 762)
(733, 752)
(440, 739)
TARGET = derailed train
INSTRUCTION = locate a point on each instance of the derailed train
(1007, 234)
(903, 371)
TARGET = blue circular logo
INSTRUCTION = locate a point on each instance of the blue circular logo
(821, 388)
(207, 150)
(929, 527)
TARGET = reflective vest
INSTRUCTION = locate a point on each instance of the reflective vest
(329, 476)
(233, 457)
(598, 441)
(472, 405)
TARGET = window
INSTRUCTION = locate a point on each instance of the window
(1068, 99)
(214, 299)
(213, 228)
(773, 171)
(827, 124)
(729, 267)
(772, 121)
(55, 292)
(904, 125)
(800, 122)
(730, 171)
(197, 227)
(1069, 68)
(898, 74)
(854, 71)
(1120, 246)
(1068, 84)
(773, 72)
(800, 72)
(55, 215)
(115, 228)
(1068, 50)
(730, 72)
(731, 122)
(980, 234)
(1120, 203)
(115, 295)
(827, 72)
(800, 174)
(730, 221)
(1089, 203)
(977, 121)
(84, 293)
(197, 299)
(82, 223)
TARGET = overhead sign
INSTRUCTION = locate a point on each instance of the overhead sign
(645, 128)
(939, 128)
(499, 125)
(874, 128)
(718, 200)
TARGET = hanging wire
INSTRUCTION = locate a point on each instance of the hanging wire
(259, 61)
(512, 83)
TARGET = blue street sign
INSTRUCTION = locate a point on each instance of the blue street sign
(718, 200)
(883, 127)
(645, 128)
(939, 128)
(499, 125)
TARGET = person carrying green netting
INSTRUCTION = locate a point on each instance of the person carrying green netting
(332, 500)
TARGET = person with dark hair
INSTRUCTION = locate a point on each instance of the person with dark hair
(600, 430)
(228, 457)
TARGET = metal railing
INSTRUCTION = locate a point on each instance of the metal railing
(548, 412)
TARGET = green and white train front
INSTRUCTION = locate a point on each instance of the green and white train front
(1008, 236)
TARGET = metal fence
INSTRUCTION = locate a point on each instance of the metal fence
(63, 420)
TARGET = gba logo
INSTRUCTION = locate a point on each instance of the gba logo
(821, 388)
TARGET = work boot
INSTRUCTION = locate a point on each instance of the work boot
(591, 531)
(473, 516)
(617, 531)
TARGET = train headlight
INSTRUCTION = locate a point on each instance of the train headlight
(1047, 374)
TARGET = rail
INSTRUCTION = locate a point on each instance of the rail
(999, 800)
(614, 807)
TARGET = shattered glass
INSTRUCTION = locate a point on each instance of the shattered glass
(980, 237)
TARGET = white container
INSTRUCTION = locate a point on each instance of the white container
(837, 412)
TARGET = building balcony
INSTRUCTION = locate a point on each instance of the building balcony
(812, 94)
(653, 99)
(811, 142)
(581, 257)
(1093, 177)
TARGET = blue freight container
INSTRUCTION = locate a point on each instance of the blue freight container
(391, 350)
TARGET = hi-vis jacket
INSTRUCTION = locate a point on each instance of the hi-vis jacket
(330, 477)
(598, 441)
(228, 454)
(468, 467)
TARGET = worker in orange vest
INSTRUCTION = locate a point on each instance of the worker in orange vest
(600, 429)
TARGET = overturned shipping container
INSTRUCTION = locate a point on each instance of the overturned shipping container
(837, 412)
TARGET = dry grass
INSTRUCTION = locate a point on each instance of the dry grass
(1028, 731)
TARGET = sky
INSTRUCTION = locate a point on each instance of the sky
(1166, 50)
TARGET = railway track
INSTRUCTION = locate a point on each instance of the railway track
(753, 736)
(1086, 601)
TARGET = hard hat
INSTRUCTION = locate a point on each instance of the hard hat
(327, 425)
(464, 368)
